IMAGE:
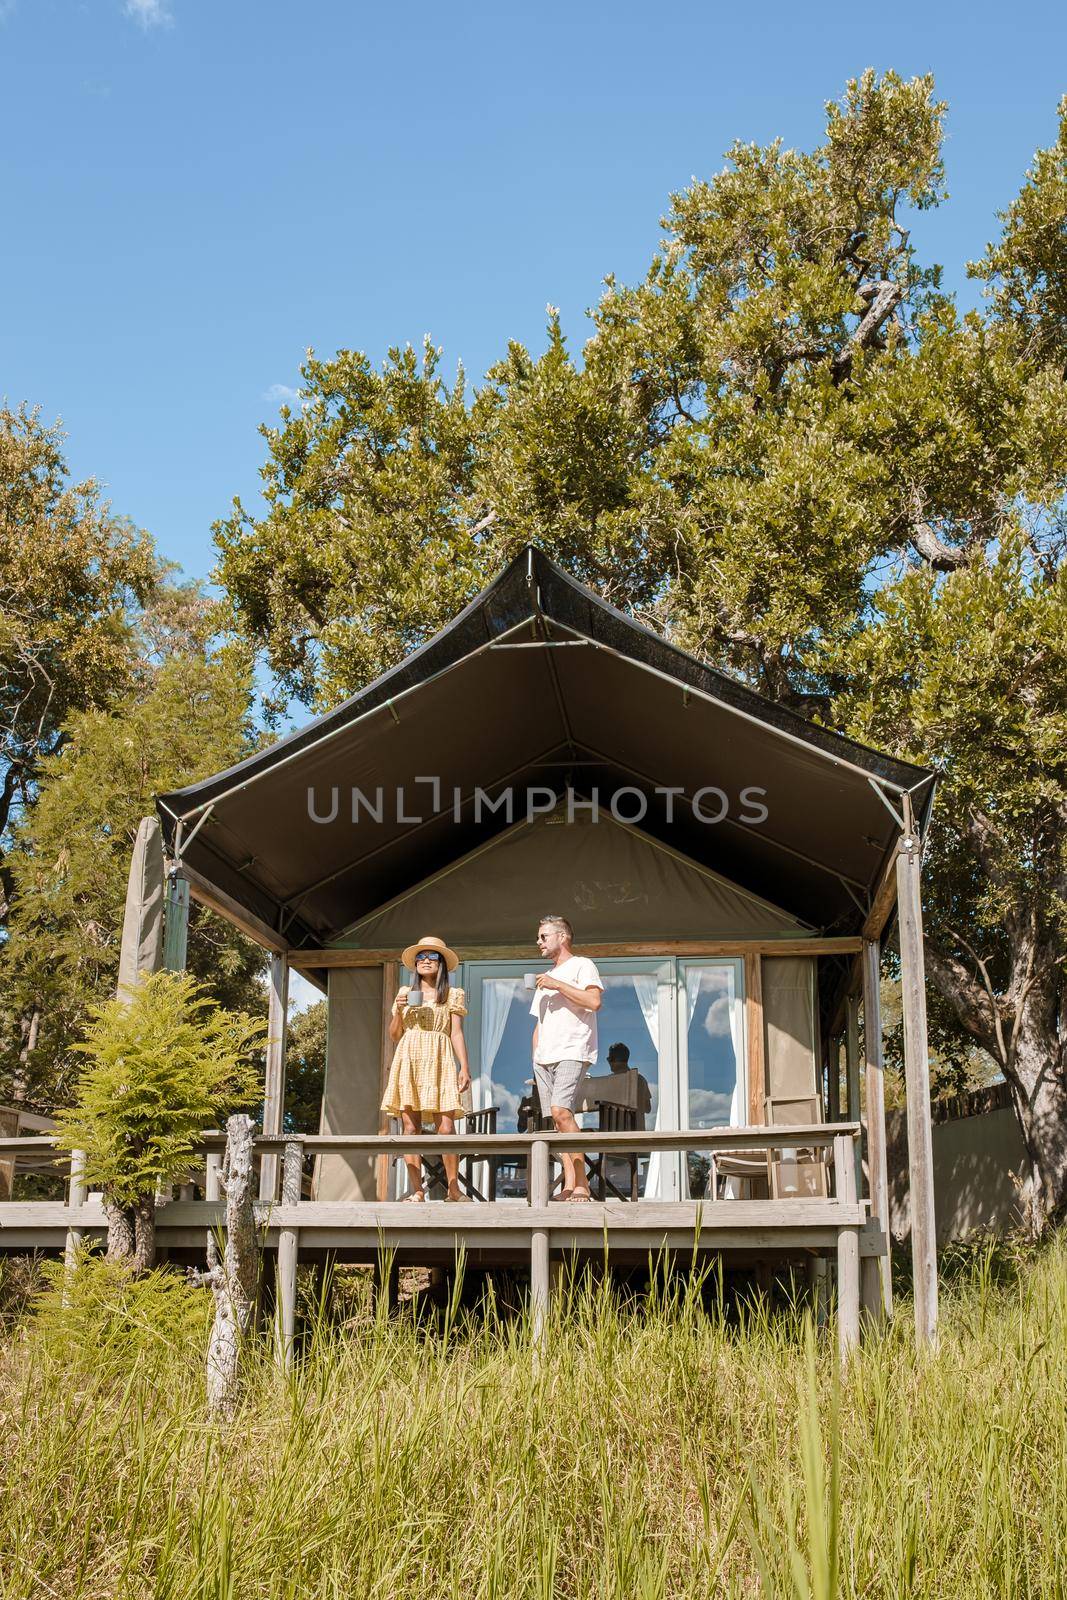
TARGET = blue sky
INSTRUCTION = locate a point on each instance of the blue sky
(197, 190)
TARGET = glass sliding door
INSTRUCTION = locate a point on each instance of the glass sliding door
(713, 1086)
(637, 1011)
(683, 1023)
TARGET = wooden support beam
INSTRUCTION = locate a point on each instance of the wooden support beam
(852, 1075)
(539, 1254)
(176, 922)
(833, 1080)
(885, 898)
(274, 1081)
(917, 1077)
(207, 894)
(878, 1292)
(848, 1253)
(213, 1176)
(288, 1249)
(757, 1055)
(390, 984)
(737, 948)
(75, 1199)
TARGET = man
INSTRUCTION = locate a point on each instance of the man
(617, 1169)
(619, 1061)
(564, 1038)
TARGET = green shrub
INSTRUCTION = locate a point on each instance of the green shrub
(161, 1068)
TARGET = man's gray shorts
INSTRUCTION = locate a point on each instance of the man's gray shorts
(559, 1084)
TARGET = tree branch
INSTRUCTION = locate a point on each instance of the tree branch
(971, 1002)
(883, 298)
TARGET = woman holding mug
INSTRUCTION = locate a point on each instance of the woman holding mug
(426, 1025)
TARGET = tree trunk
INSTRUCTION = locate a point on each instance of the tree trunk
(233, 1279)
(1039, 1093)
(144, 1218)
(120, 1231)
(1023, 1037)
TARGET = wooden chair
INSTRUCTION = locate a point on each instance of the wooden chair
(614, 1118)
(797, 1174)
(475, 1122)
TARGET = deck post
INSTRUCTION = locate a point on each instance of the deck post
(213, 1175)
(833, 1079)
(288, 1242)
(876, 1274)
(539, 1274)
(75, 1200)
(848, 1251)
(274, 1082)
(852, 1077)
(917, 1078)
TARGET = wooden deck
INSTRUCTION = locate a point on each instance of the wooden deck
(507, 1231)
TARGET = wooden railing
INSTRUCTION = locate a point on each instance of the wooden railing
(837, 1222)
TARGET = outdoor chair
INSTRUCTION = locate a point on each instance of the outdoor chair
(614, 1118)
(797, 1174)
(742, 1167)
(475, 1122)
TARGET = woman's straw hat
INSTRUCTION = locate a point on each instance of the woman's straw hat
(431, 942)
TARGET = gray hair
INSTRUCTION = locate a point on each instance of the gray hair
(561, 923)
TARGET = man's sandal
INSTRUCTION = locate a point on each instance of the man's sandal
(418, 1197)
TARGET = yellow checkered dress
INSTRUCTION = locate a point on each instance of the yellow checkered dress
(423, 1076)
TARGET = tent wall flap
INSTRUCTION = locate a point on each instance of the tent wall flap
(353, 1080)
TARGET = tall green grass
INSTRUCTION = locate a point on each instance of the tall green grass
(655, 1450)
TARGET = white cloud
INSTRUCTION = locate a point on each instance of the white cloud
(717, 1021)
(280, 394)
(148, 13)
(709, 1109)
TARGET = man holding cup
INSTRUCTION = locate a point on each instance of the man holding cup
(564, 1009)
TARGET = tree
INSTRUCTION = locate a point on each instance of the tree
(162, 1065)
(390, 502)
(787, 449)
(370, 538)
(71, 575)
(869, 492)
(71, 857)
(972, 668)
(305, 1068)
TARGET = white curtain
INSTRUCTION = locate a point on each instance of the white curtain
(738, 1108)
(646, 988)
(693, 980)
(497, 996)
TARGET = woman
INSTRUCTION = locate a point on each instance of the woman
(426, 1024)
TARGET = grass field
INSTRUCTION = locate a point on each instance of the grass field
(657, 1450)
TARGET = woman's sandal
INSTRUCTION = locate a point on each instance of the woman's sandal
(459, 1199)
(417, 1197)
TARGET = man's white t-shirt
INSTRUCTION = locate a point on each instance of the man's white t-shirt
(565, 1031)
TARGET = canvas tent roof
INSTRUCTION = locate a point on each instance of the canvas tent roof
(613, 881)
(539, 682)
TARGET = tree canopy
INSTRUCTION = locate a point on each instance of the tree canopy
(787, 448)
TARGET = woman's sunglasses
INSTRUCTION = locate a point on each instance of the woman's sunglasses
(428, 955)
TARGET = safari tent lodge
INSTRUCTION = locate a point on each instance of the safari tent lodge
(731, 867)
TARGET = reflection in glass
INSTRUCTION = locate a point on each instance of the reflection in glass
(714, 1047)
